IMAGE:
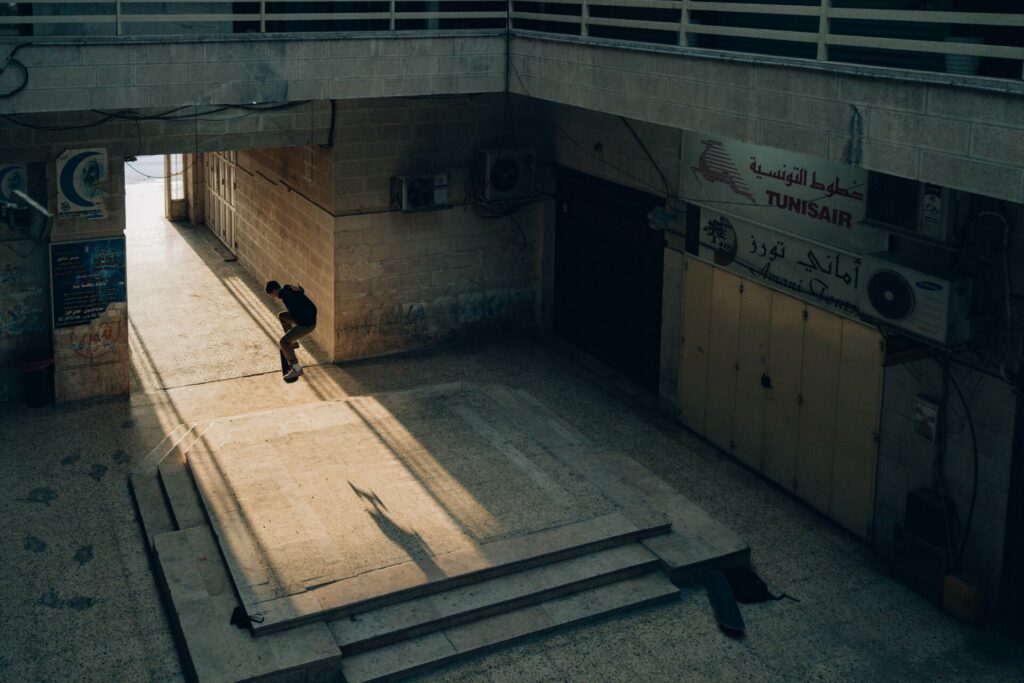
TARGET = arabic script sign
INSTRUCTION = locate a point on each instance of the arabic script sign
(87, 277)
(824, 201)
(80, 176)
(810, 271)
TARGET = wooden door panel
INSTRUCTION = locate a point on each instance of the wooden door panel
(823, 335)
(752, 352)
(782, 412)
(723, 342)
(693, 364)
(856, 451)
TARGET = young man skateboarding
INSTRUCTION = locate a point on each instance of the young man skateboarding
(298, 321)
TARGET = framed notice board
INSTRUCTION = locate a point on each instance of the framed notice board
(87, 276)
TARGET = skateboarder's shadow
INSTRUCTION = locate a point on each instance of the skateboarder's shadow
(409, 541)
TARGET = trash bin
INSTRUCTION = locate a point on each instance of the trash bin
(37, 377)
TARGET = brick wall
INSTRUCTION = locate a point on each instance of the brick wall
(405, 281)
(928, 128)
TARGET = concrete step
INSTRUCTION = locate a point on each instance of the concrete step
(419, 616)
(697, 543)
(201, 600)
(442, 647)
(400, 582)
(154, 507)
(180, 494)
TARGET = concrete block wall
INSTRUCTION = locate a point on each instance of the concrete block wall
(918, 126)
(302, 124)
(282, 235)
(93, 359)
(405, 281)
(905, 460)
(172, 71)
(24, 307)
(408, 281)
(601, 145)
(307, 170)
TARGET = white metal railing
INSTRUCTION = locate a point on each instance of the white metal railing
(826, 30)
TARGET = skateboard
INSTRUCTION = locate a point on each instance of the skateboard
(285, 367)
(727, 612)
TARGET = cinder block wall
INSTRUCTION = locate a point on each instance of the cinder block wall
(921, 126)
(93, 359)
(283, 234)
(905, 461)
(405, 281)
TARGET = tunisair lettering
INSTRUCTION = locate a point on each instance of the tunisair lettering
(810, 209)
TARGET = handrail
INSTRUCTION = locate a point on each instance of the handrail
(821, 32)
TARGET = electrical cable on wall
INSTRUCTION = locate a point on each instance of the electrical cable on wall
(958, 561)
(24, 70)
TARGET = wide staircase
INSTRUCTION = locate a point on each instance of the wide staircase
(405, 619)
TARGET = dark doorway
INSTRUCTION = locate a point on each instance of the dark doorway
(608, 266)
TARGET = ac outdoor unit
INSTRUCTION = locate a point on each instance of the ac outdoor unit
(508, 174)
(928, 210)
(933, 307)
(419, 192)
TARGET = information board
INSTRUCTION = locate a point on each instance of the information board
(87, 276)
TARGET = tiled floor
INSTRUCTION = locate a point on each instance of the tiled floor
(77, 601)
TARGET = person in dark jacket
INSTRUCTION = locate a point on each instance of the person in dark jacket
(298, 321)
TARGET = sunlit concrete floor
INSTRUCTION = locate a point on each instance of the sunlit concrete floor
(78, 602)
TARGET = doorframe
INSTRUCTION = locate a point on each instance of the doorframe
(175, 208)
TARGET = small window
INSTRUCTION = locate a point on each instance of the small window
(177, 174)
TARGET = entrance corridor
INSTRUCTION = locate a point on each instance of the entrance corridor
(193, 317)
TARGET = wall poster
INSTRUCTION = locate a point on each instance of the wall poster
(80, 177)
(87, 277)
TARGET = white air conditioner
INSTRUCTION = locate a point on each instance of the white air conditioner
(925, 304)
(419, 192)
(508, 174)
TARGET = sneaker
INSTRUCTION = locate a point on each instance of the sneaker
(294, 373)
(295, 345)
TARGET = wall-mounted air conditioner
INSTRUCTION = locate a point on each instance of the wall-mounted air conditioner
(925, 209)
(925, 304)
(508, 174)
(419, 192)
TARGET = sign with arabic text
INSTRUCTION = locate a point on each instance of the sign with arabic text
(824, 201)
(810, 271)
(87, 277)
(80, 177)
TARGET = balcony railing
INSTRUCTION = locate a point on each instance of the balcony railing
(890, 33)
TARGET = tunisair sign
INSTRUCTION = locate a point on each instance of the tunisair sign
(824, 201)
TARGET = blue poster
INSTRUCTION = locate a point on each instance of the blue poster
(87, 277)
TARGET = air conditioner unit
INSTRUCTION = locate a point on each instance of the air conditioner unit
(922, 208)
(923, 303)
(419, 192)
(507, 174)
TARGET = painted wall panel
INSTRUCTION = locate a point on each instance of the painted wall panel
(751, 395)
(693, 364)
(782, 411)
(723, 343)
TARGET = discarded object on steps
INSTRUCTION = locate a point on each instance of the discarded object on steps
(747, 587)
(727, 612)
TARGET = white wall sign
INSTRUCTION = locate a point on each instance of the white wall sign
(824, 201)
(810, 271)
(80, 176)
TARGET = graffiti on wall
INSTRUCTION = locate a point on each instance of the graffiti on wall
(98, 340)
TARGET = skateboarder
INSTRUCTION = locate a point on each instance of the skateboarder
(298, 321)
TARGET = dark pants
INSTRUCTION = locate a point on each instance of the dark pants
(293, 332)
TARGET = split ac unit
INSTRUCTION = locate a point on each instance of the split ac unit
(922, 303)
(922, 208)
(419, 192)
(508, 174)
